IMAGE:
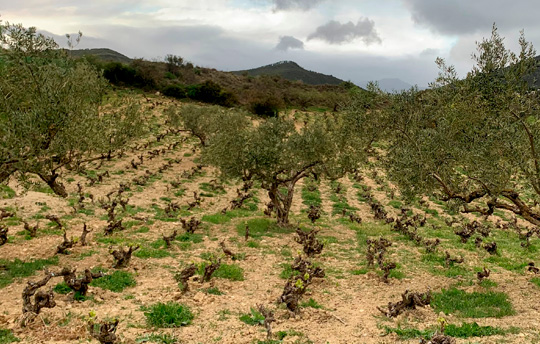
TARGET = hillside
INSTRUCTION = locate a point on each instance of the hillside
(292, 71)
(103, 54)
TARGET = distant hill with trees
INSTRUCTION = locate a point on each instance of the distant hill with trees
(103, 54)
(290, 70)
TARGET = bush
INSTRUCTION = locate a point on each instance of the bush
(212, 93)
(175, 91)
(168, 315)
(265, 107)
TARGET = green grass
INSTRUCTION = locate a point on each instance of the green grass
(212, 291)
(311, 303)
(149, 252)
(231, 272)
(467, 330)
(252, 318)
(472, 305)
(17, 268)
(260, 227)
(161, 338)
(6, 337)
(115, 282)
(6, 192)
(62, 288)
(409, 333)
(168, 315)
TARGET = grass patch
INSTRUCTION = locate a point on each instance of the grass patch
(6, 337)
(18, 268)
(260, 227)
(467, 330)
(161, 338)
(149, 252)
(409, 333)
(6, 192)
(231, 272)
(311, 303)
(212, 291)
(168, 315)
(472, 305)
(62, 288)
(115, 282)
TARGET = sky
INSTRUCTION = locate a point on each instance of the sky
(356, 40)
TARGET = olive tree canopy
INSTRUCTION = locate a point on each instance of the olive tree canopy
(474, 140)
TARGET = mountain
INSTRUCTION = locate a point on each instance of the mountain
(290, 70)
(103, 54)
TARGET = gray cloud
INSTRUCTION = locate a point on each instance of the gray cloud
(303, 5)
(289, 42)
(466, 16)
(334, 32)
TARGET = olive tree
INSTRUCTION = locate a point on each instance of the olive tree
(475, 140)
(51, 113)
(278, 152)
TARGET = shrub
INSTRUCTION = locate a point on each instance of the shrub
(175, 91)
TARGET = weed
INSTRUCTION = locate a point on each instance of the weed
(231, 272)
(467, 330)
(472, 305)
(168, 315)
(311, 303)
(254, 317)
(6, 337)
(161, 338)
(115, 282)
(18, 268)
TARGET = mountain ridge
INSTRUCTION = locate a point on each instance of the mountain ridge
(292, 71)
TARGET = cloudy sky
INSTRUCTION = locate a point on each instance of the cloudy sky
(357, 40)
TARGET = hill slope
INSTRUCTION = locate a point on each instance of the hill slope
(292, 71)
(103, 54)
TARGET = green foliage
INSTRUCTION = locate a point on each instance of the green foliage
(252, 318)
(62, 288)
(467, 330)
(231, 272)
(18, 268)
(115, 282)
(161, 338)
(6, 337)
(149, 252)
(213, 291)
(311, 303)
(472, 305)
(6, 192)
(474, 139)
(168, 315)
(409, 333)
(53, 115)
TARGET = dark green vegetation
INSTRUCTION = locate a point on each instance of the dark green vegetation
(290, 70)
(6, 337)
